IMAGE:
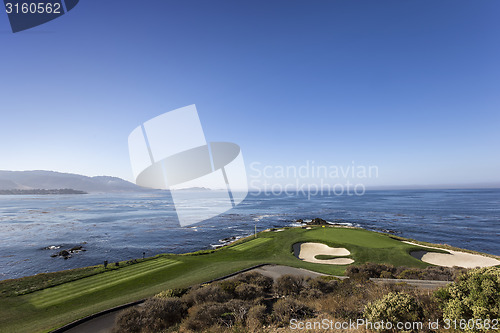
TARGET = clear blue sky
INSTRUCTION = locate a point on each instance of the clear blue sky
(410, 86)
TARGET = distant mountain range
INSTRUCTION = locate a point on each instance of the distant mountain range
(30, 180)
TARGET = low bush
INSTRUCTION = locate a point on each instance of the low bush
(386, 275)
(371, 270)
(171, 293)
(289, 285)
(155, 315)
(412, 273)
(239, 310)
(210, 293)
(257, 279)
(257, 317)
(163, 312)
(229, 286)
(348, 300)
(310, 293)
(394, 308)
(242, 305)
(324, 285)
(430, 306)
(475, 295)
(444, 273)
(247, 291)
(203, 316)
(288, 308)
(129, 320)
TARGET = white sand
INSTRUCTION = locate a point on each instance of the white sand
(308, 252)
(453, 258)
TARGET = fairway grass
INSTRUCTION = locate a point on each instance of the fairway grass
(64, 292)
(250, 244)
(52, 307)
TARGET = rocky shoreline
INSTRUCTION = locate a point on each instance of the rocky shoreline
(66, 253)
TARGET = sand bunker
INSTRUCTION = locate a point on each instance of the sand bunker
(308, 252)
(454, 258)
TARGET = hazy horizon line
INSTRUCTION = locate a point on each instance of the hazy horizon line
(444, 186)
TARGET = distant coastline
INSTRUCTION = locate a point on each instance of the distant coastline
(41, 191)
(55, 181)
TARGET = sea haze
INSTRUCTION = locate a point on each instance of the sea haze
(122, 226)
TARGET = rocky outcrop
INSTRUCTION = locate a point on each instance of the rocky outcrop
(318, 221)
(66, 254)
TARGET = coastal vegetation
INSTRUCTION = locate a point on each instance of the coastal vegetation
(46, 301)
(253, 303)
(474, 296)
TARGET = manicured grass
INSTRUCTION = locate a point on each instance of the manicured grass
(29, 284)
(326, 257)
(97, 283)
(43, 310)
(250, 244)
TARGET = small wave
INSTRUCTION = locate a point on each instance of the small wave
(347, 224)
(227, 241)
(52, 247)
(258, 218)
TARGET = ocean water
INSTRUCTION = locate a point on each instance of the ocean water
(117, 227)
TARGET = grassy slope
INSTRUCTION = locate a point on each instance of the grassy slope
(52, 307)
